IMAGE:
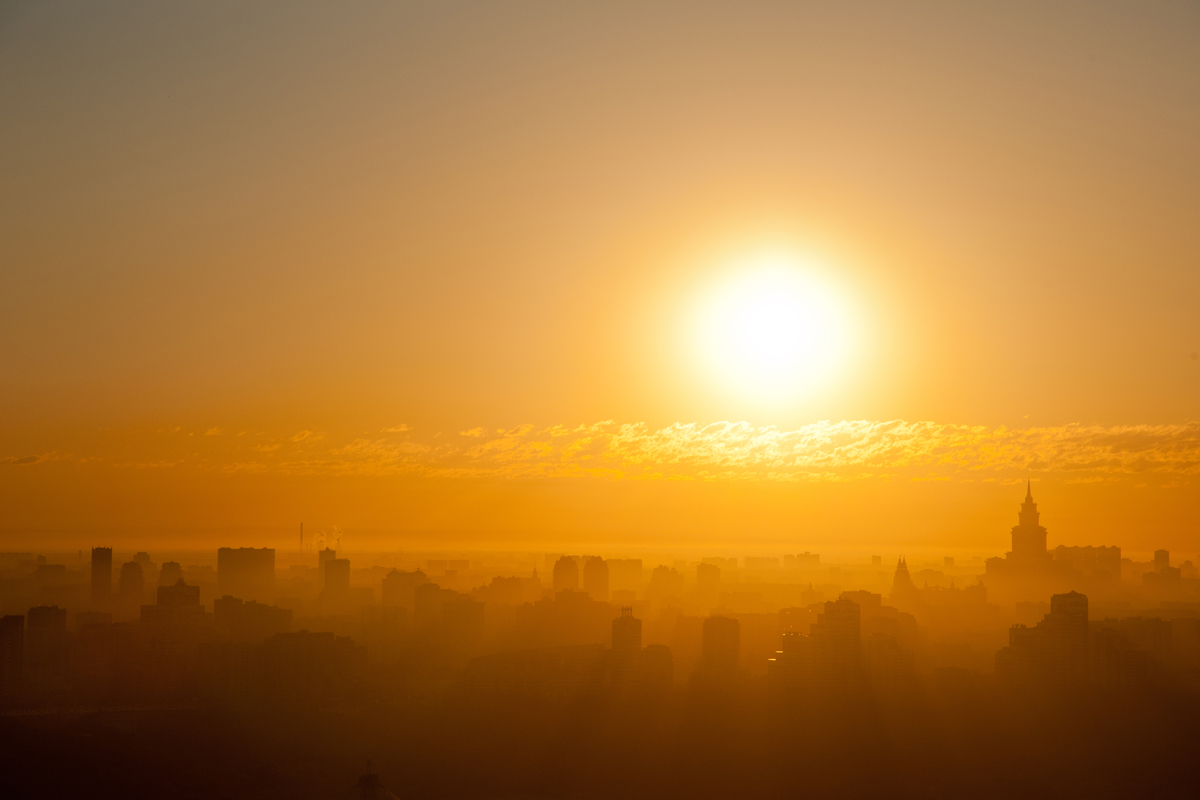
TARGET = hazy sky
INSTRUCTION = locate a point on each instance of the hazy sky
(333, 237)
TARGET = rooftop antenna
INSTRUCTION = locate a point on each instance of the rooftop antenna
(301, 537)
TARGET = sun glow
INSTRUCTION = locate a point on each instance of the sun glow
(773, 331)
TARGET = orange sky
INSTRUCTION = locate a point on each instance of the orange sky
(389, 224)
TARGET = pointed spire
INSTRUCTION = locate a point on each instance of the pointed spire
(1028, 490)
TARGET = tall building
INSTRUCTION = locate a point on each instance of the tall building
(177, 604)
(46, 642)
(250, 621)
(595, 578)
(904, 591)
(246, 572)
(1028, 537)
(627, 632)
(132, 581)
(337, 577)
(170, 574)
(721, 646)
(12, 639)
(792, 663)
(399, 588)
(324, 555)
(149, 568)
(837, 643)
(566, 574)
(625, 574)
(708, 582)
(101, 574)
(1056, 650)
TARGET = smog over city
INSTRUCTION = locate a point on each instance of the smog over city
(596, 400)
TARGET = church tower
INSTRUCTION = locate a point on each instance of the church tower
(904, 591)
(1028, 537)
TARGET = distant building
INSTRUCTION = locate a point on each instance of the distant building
(399, 588)
(250, 621)
(625, 574)
(131, 582)
(904, 591)
(1101, 562)
(791, 666)
(720, 647)
(626, 640)
(595, 578)
(171, 572)
(149, 568)
(566, 574)
(177, 605)
(837, 643)
(101, 575)
(1055, 651)
(12, 639)
(325, 555)
(1163, 576)
(665, 582)
(46, 642)
(708, 583)
(1030, 570)
(247, 572)
(337, 576)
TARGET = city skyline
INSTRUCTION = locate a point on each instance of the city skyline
(528, 399)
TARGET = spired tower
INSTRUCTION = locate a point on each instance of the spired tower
(904, 591)
(1028, 537)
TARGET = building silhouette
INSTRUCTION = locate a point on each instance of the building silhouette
(626, 640)
(12, 640)
(132, 581)
(837, 643)
(45, 643)
(708, 583)
(101, 575)
(337, 577)
(566, 574)
(399, 588)
(1028, 536)
(324, 555)
(171, 572)
(177, 604)
(149, 568)
(791, 666)
(595, 578)
(249, 621)
(1056, 650)
(720, 647)
(247, 572)
(904, 591)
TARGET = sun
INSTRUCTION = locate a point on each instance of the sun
(772, 331)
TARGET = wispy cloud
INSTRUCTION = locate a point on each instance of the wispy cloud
(848, 450)
(822, 451)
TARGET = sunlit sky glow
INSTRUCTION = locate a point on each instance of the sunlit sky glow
(839, 272)
(771, 331)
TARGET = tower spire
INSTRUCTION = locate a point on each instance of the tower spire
(1028, 490)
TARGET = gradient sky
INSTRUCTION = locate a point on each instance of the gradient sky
(424, 271)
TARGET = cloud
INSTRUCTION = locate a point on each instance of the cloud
(826, 451)
(401, 428)
(213, 431)
(15, 460)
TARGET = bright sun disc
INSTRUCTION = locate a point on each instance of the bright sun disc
(773, 331)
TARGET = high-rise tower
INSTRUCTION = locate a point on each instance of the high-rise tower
(1028, 537)
(101, 574)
